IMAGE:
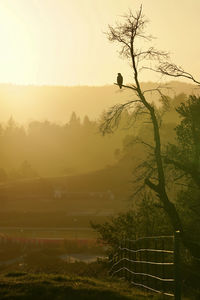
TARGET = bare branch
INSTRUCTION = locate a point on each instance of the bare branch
(152, 185)
(173, 70)
(152, 54)
(126, 32)
(144, 143)
(133, 87)
(112, 117)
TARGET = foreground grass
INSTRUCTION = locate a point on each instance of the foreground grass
(19, 285)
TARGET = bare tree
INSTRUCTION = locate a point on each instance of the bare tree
(127, 35)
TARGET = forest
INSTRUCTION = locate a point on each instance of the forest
(48, 149)
(72, 148)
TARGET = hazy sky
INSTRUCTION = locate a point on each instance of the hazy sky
(61, 42)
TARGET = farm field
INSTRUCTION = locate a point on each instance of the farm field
(48, 220)
(49, 233)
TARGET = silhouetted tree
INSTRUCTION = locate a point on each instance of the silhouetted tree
(74, 120)
(185, 154)
(183, 157)
(128, 34)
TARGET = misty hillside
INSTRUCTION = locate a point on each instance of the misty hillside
(107, 189)
(56, 103)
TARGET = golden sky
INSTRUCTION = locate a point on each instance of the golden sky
(61, 42)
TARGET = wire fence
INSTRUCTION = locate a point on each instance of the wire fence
(152, 263)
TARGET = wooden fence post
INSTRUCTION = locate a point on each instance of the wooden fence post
(177, 271)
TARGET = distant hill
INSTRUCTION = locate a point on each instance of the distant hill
(108, 189)
(56, 103)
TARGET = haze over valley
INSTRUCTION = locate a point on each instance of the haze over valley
(56, 103)
(99, 150)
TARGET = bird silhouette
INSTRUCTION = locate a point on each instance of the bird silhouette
(120, 80)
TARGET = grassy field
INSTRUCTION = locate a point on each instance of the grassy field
(41, 273)
(19, 285)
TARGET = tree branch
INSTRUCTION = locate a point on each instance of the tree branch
(173, 70)
(152, 186)
(127, 86)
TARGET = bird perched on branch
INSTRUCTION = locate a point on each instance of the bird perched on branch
(120, 80)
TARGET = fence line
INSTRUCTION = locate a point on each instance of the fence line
(153, 266)
(151, 289)
(142, 262)
(151, 237)
(149, 250)
(144, 274)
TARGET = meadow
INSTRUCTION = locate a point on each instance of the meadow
(20, 285)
